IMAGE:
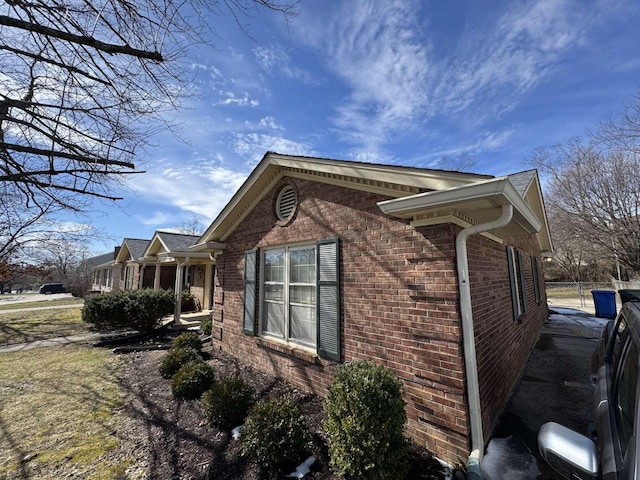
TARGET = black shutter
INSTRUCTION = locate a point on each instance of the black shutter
(536, 280)
(328, 299)
(512, 283)
(250, 272)
(523, 285)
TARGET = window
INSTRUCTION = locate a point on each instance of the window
(289, 294)
(299, 295)
(516, 282)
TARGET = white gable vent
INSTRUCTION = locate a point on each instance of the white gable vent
(286, 203)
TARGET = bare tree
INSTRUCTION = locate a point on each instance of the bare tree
(597, 191)
(622, 132)
(461, 162)
(85, 84)
(191, 227)
(575, 258)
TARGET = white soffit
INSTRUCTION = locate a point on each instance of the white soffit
(481, 201)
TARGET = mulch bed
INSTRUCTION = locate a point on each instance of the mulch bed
(170, 439)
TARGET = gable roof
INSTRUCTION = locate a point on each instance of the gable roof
(424, 196)
(131, 249)
(390, 180)
(169, 246)
(102, 260)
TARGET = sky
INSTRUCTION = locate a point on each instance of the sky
(401, 82)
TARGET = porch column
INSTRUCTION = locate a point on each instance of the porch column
(178, 289)
(141, 278)
(156, 278)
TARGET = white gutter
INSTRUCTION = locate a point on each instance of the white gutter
(468, 335)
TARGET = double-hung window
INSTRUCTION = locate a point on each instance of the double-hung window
(292, 293)
(289, 294)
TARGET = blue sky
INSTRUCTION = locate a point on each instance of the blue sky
(400, 82)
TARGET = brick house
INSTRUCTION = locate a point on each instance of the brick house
(126, 268)
(435, 274)
(168, 263)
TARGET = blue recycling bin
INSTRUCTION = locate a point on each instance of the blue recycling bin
(605, 303)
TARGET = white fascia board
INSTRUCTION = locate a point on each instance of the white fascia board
(207, 246)
(409, 176)
(497, 192)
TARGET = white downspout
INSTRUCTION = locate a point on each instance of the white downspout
(468, 335)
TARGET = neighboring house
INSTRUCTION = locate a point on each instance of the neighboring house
(126, 269)
(435, 274)
(168, 263)
(102, 271)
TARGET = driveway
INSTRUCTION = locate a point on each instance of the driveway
(555, 386)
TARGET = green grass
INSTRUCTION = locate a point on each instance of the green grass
(38, 304)
(62, 405)
(19, 327)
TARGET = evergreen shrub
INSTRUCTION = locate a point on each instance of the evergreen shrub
(192, 380)
(175, 359)
(188, 340)
(227, 402)
(365, 421)
(275, 435)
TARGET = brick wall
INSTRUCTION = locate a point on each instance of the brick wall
(501, 358)
(399, 305)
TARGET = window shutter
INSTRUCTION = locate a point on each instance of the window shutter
(512, 283)
(250, 271)
(328, 299)
(523, 285)
(536, 279)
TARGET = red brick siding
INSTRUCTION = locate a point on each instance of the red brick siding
(399, 304)
(501, 358)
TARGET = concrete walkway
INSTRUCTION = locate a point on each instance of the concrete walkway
(555, 386)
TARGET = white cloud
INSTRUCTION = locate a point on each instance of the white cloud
(398, 79)
(271, 123)
(229, 98)
(492, 69)
(203, 188)
(277, 61)
(156, 218)
(252, 146)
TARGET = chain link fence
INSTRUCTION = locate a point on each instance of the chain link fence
(576, 290)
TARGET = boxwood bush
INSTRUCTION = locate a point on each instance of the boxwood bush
(147, 307)
(275, 435)
(188, 340)
(192, 380)
(176, 358)
(141, 310)
(365, 420)
(227, 402)
(107, 310)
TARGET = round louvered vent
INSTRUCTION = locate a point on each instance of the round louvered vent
(286, 203)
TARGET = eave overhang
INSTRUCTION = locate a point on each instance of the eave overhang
(475, 203)
(389, 180)
(208, 247)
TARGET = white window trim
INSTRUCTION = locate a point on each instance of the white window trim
(285, 286)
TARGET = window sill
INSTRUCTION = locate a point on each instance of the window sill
(288, 350)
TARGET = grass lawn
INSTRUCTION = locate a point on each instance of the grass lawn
(58, 409)
(19, 327)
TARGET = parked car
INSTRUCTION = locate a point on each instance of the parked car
(613, 451)
(49, 288)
